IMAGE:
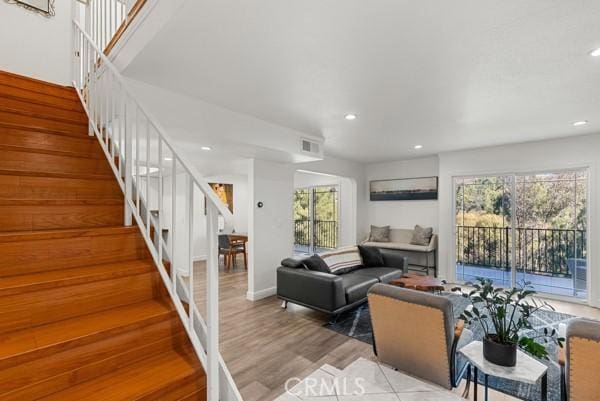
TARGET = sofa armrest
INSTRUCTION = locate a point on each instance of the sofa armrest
(323, 291)
(432, 243)
(393, 258)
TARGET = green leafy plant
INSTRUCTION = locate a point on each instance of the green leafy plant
(504, 314)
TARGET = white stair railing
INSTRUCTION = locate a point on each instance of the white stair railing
(104, 18)
(162, 189)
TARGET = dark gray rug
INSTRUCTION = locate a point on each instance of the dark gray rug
(357, 324)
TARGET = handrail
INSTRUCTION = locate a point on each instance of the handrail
(130, 138)
(190, 168)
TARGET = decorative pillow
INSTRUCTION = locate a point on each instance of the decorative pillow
(316, 263)
(371, 256)
(294, 262)
(342, 260)
(380, 234)
(421, 235)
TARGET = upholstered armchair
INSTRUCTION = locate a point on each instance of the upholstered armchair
(415, 332)
(580, 361)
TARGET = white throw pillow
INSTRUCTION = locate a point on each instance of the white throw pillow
(342, 260)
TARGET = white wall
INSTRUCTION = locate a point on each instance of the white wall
(403, 214)
(270, 228)
(34, 45)
(355, 173)
(347, 194)
(240, 212)
(566, 153)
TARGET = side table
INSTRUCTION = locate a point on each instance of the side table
(527, 370)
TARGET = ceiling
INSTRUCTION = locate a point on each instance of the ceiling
(447, 75)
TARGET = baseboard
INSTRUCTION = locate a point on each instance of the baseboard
(200, 258)
(255, 296)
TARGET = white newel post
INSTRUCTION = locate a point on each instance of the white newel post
(212, 302)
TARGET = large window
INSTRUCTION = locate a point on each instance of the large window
(528, 227)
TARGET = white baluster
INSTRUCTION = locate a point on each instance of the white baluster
(190, 221)
(173, 219)
(160, 199)
(128, 136)
(148, 178)
(212, 300)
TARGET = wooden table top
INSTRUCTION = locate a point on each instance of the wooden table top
(419, 282)
(238, 237)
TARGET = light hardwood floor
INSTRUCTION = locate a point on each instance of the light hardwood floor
(264, 345)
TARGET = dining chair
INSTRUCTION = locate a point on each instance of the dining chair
(230, 248)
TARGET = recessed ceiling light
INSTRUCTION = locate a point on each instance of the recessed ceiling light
(595, 52)
(168, 159)
(580, 123)
(206, 148)
(350, 116)
(418, 146)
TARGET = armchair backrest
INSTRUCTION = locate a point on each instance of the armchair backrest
(583, 360)
(413, 331)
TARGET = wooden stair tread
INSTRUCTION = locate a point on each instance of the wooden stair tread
(45, 111)
(55, 152)
(56, 278)
(140, 381)
(29, 128)
(60, 202)
(30, 173)
(65, 233)
(81, 329)
(41, 99)
(36, 85)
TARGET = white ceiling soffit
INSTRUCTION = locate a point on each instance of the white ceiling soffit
(193, 123)
(443, 74)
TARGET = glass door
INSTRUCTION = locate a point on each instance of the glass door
(316, 212)
(551, 227)
(483, 228)
(544, 244)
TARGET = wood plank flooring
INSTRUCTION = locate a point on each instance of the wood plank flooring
(264, 345)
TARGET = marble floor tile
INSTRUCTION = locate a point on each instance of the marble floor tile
(403, 383)
(363, 377)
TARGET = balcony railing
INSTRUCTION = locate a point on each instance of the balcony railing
(545, 251)
(325, 233)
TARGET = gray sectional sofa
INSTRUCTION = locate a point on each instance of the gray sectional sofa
(330, 293)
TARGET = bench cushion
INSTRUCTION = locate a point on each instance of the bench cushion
(398, 245)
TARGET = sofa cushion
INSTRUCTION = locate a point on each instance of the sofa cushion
(380, 234)
(383, 274)
(295, 262)
(371, 256)
(356, 286)
(421, 235)
(342, 260)
(398, 245)
(316, 263)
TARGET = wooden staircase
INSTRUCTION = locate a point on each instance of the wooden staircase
(83, 311)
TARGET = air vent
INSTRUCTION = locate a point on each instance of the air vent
(310, 147)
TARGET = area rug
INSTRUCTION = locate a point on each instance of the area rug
(357, 324)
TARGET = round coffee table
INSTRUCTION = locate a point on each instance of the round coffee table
(420, 283)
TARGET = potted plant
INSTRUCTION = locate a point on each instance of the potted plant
(504, 314)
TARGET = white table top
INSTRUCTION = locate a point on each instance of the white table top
(527, 370)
